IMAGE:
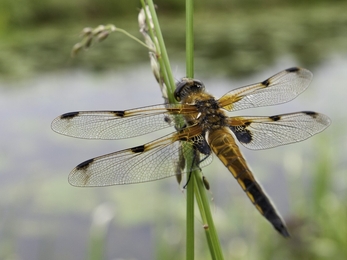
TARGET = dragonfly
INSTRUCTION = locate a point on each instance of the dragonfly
(207, 129)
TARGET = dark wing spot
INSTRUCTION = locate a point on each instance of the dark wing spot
(138, 149)
(167, 119)
(119, 113)
(310, 113)
(242, 133)
(275, 118)
(293, 69)
(201, 145)
(266, 82)
(69, 115)
(84, 165)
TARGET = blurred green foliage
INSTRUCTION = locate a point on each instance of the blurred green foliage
(233, 38)
(34, 12)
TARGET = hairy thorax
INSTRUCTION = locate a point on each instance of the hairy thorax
(210, 115)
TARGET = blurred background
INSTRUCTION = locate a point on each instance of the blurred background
(237, 43)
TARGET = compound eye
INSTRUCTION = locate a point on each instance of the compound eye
(187, 86)
(181, 88)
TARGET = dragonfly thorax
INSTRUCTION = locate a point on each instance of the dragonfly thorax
(210, 116)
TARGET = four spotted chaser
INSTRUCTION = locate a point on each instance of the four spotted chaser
(207, 129)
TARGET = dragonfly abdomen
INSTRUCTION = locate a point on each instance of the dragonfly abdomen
(223, 145)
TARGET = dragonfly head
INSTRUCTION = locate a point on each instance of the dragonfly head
(186, 87)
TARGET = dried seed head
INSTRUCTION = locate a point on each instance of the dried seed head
(152, 42)
(102, 36)
(76, 49)
(88, 41)
(86, 31)
(99, 29)
(142, 20)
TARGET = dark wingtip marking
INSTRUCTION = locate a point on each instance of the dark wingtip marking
(69, 115)
(310, 113)
(275, 118)
(119, 113)
(84, 165)
(293, 69)
(138, 149)
(266, 82)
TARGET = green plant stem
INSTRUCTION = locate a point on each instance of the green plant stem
(131, 37)
(190, 38)
(190, 237)
(196, 185)
(208, 224)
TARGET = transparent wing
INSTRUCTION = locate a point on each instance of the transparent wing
(119, 124)
(280, 88)
(267, 132)
(155, 160)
